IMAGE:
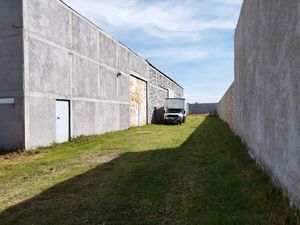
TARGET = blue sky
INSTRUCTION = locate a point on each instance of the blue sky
(190, 40)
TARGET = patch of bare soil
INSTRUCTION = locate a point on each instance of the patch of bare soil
(17, 157)
(102, 159)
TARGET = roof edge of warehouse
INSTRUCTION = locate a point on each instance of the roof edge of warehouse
(98, 27)
(94, 24)
(164, 74)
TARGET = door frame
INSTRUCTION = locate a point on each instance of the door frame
(69, 122)
(137, 76)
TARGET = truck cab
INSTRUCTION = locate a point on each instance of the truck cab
(175, 111)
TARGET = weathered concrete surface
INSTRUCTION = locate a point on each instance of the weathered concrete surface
(226, 107)
(40, 121)
(48, 69)
(11, 74)
(202, 108)
(49, 20)
(267, 53)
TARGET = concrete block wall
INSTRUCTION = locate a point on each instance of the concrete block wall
(226, 107)
(11, 79)
(159, 86)
(267, 88)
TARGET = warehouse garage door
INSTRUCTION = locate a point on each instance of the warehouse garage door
(138, 102)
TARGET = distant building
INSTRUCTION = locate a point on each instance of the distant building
(201, 108)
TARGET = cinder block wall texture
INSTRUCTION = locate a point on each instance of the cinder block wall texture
(58, 54)
(267, 88)
(226, 107)
(159, 85)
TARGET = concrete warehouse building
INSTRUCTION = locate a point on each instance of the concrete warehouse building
(61, 76)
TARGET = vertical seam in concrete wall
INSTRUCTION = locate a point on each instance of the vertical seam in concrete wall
(117, 68)
(98, 66)
(25, 39)
(71, 72)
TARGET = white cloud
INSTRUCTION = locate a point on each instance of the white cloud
(170, 55)
(175, 55)
(167, 20)
(175, 34)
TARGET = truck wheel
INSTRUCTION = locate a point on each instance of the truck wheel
(183, 120)
(180, 123)
(166, 122)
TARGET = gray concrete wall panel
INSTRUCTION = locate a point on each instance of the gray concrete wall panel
(84, 118)
(123, 89)
(85, 78)
(267, 49)
(12, 122)
(108, 84)
(123, 59)
(49, 69)
(40, 121)
(49, 20)
(107, 117)
(139, 66)
(107, 51)
(84, 38)
(124, 115)
(11, 63)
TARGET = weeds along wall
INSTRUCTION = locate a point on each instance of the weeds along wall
(60, 55)
(267, 88)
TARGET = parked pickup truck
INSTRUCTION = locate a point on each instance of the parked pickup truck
(175, 111)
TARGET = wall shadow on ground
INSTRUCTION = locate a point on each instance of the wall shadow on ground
(186, 185)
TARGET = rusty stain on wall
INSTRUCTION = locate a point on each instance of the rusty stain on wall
(138, 102)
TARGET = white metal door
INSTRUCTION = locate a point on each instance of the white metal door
(62, 121)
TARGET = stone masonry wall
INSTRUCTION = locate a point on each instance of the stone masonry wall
(226, 107)
(159, 85)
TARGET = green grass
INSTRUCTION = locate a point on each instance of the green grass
(198, 173)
